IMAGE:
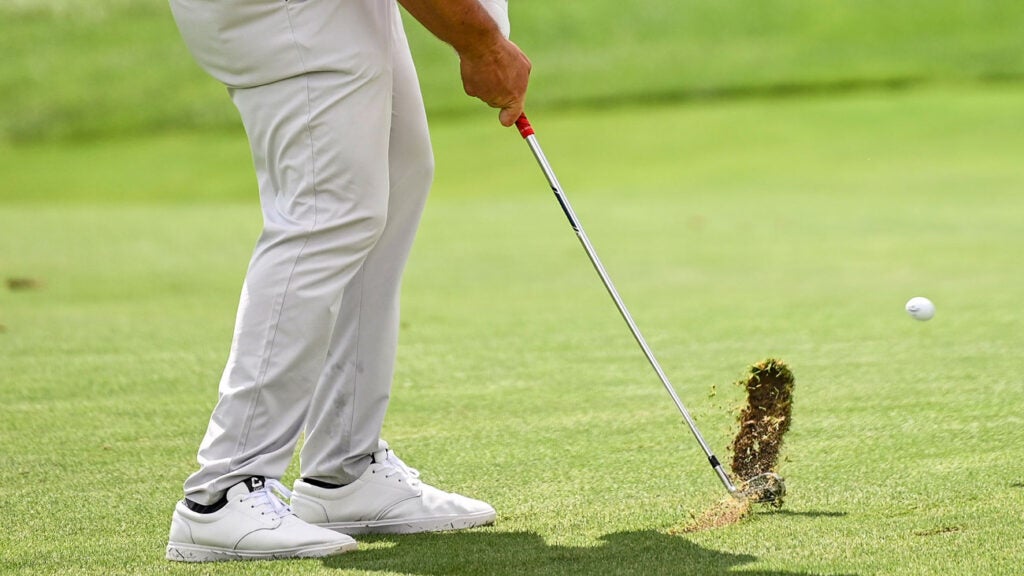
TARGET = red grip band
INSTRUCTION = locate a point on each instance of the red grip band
(523, 124)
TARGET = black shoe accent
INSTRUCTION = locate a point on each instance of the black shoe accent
(254, 483)
(206, 509)
(322, 484)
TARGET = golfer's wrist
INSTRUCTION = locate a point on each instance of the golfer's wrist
(484, 49)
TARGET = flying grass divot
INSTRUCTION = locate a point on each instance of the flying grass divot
(763, 420)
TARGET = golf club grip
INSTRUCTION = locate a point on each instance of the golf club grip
(525, 130)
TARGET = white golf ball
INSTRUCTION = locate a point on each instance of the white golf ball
(920, 308)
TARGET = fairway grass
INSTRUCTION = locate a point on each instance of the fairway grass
(793, 229)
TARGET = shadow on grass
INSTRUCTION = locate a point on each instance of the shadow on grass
(649, 553)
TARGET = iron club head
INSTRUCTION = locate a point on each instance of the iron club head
(767, 488)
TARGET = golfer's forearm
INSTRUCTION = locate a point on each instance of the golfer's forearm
(464, 24)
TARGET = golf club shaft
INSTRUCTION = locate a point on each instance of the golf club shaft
(531, 139)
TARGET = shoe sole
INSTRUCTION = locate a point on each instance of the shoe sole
(438, 524)
(197, 553)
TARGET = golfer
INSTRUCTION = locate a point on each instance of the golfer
(331, 105)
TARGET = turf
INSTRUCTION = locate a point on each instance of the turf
(736, 231)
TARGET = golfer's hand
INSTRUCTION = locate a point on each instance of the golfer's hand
(498, 74)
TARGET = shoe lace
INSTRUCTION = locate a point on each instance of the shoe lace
(267, 498)
(394, 465)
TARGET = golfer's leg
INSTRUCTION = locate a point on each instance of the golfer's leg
(321, 157)
(348, 409)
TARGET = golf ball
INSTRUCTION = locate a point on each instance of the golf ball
(920, 308)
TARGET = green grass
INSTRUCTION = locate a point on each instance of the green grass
(735, 231)
(75, 69)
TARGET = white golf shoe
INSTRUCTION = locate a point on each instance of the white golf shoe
(254, 524)
(388, 498)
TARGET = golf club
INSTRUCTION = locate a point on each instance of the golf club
(767, 487)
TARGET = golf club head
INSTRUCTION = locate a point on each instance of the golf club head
(767, 488)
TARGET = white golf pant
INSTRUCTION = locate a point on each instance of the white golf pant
(331, 104)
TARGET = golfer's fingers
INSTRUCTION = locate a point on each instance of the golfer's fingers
(509, 114)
